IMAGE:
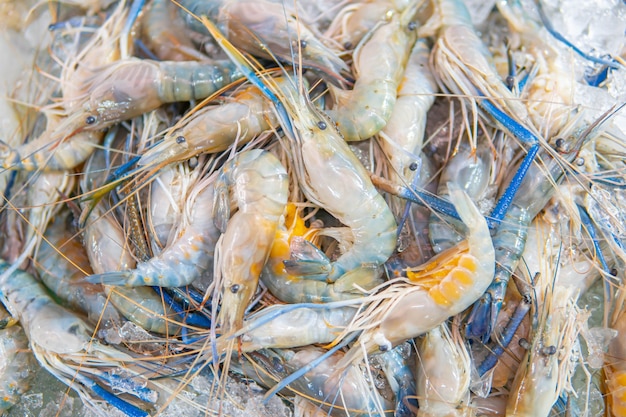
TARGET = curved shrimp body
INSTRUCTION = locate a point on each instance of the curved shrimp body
(213, 129)
(294, 289)
(265, 28)
(258, 182)
(349, 392)
(616, 368)
(185, 259)
(443, 374)
(471, 170)
(446, 285)
(131, 87)
(163, 31)
(319, 148)
(403, 135)
(366, 109)
(64, 278)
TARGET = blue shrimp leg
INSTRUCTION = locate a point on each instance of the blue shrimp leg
(125, 407)
(548, 25)
(300, 372)
(505, 339)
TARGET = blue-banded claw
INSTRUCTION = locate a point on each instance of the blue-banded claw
(481, 321)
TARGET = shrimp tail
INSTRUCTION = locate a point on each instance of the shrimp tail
(307, 260)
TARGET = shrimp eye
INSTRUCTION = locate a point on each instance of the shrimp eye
(192, 162)
(234, 288)
(549, 350)
(90, 120)
(560, 145)
(580, 162)
(322, 125)
(413, 166)
(524, 343)
(303, 43)
(510, 81)
(412, 25)
(180, 139)
(383, 348)
(614, 272)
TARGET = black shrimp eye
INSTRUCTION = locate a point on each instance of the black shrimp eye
(234, 288)
(413, 166)
(524, 343)
(580, 162)
(303, 43)
(412, 25)
(549, 350)
(90, 120)
(180, 139)
(614, 272)
(560, 144)
(383, 348)
(322, 125)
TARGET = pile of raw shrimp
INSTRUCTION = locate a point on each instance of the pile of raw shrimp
(364, 207)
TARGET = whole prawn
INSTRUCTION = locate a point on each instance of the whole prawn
(265, 29)
(363, 111)
(238, 119)
(258, 183)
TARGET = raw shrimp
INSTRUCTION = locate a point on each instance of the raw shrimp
(315, 147)
(163, 30)
(17, 364)
(296, 289)
(44, 194)
(443, 374)
(354, 21)
(61, 262)
(547, 366)
(258, 183)
(64, 145)
(213, 129)
(441, 288)
(472, 171)
(379, 64)
(266, 29)
(186, 258)
(402, 137)
(463, 65)
(351, 392)
(63, 345)
(108, 251)
(615, 368)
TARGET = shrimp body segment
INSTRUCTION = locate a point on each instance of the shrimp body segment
(380, 62)
(185, 259)
(258, 183)
(131, 87)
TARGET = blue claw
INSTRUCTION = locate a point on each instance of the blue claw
(479, 323)
(125, 407)
(514, 322)
(503, 204)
